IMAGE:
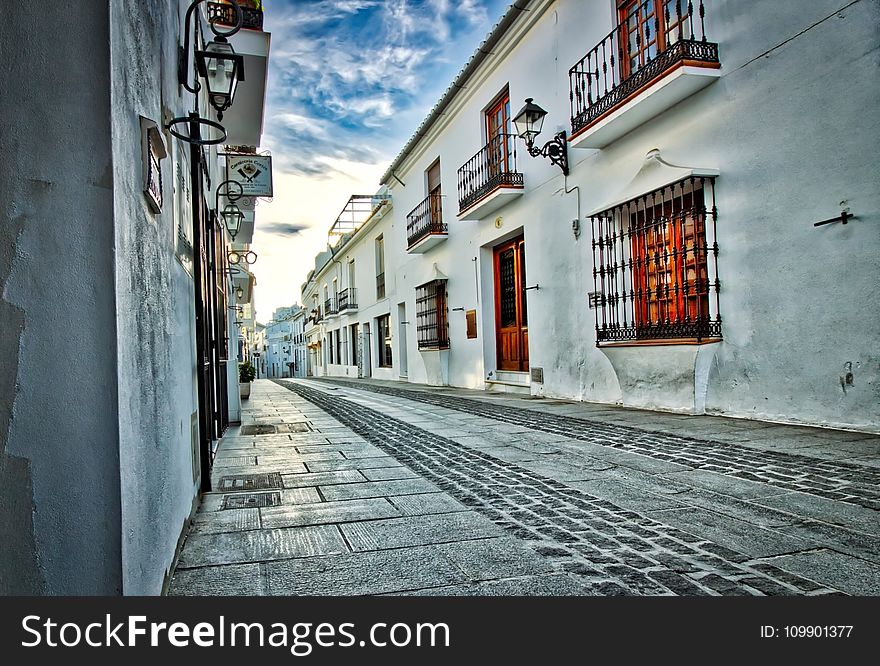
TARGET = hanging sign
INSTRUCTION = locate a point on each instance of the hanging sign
(252, 172)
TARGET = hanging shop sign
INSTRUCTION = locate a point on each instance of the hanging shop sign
(253, 172)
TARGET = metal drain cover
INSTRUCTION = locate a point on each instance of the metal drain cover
(251, 500)
(258, 429)
(299, 426)
(250, 481)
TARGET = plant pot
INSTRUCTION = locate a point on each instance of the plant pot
(244, 390)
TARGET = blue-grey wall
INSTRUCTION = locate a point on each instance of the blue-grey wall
(59, 439)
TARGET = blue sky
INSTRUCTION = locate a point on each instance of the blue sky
(349, 83)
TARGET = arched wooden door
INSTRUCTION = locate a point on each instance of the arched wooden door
(511, 317)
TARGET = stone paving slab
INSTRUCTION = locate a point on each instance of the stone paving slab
(725, 484)
(363, 464)
(389, 473)
(628, 496)
(322, 478)
(300, 496)
(427, 503)
(488, 559)
(820, 508)
(552, 585)
(231, 580)
(834, 537)
(369, 489)
(260, 545)
(418, 531)
(737, 535)
(230, 520)
(376, 572)
(321, 513)
(849, 574)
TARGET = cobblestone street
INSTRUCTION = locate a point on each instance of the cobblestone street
(342, 487)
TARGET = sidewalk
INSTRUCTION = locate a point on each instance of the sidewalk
(446, 491)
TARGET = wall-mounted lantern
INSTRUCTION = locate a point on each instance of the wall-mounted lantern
(230, 214)
(528, 123)
(221, 68)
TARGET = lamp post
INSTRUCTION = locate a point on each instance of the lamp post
(529, 122)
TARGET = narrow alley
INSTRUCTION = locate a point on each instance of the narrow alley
(333, 487)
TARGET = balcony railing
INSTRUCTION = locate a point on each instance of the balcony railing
(636, 54)
(348, 299)
(330, 306)
(224, 14)
(493, 167)
(380, 286)
(425, 219)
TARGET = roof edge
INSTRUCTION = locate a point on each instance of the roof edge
(483, 50)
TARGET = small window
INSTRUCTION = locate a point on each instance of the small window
(380, 268)
(654, 269)
(431, 316)
(383, 340)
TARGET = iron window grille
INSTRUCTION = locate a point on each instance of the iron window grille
(431, 316)
(655, 266)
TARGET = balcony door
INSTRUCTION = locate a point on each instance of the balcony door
(497, 127)
(511, 317)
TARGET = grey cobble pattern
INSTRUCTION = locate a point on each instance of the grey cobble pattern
(840, 481)
(614, 550)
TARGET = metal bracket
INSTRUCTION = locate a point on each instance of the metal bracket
(536, 287)
(556, 150)
(844, 217)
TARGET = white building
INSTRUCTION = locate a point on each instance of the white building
(676, 266)
(279, 359)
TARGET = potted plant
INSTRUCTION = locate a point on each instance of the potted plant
(246, 374)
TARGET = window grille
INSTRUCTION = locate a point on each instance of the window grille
(655, 266)
(431, 315)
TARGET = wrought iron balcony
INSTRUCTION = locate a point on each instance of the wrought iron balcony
(223, 13)
(330, 306)
(493, 167)
(645, 46)
(425, 219)
(348, 299)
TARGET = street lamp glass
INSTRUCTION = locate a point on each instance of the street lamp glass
(232, 217)
(222, 68)
(529, 121)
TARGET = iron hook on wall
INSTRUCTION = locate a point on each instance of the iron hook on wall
(844, 217)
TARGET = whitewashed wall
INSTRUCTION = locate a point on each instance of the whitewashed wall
(791, 126)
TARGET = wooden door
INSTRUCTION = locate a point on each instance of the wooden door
(511, 317)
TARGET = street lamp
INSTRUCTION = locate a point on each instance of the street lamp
(222, 68)
(231, 213)
(528, 123)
